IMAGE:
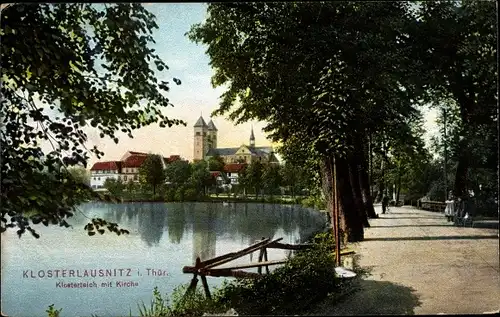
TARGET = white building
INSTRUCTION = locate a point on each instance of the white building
(102, 171)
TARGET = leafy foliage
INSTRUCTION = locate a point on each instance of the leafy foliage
(67, 69)
(456, 42)
(178, 172)
(216, 163)
(80, 174)
(349, 79)
(151, 171)
(52, 312)
(114, 186)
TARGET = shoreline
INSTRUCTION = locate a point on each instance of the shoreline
(209, 200)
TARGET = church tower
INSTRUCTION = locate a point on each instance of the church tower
(200, 139)
(212, 135)
(252, 139)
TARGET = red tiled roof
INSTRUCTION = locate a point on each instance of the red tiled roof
(234, 167)
(134, 161)
(111, 165)
(171, 159)
(174, 158)
(215, 174)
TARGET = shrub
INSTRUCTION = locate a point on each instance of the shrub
(179, 194)
(191, 194)
(170, 194)
(305, 279)
(178, 305)
(52, 312)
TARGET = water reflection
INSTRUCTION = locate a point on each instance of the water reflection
(162, 235)
(204, 232)
(176, 223)
(151, 222)
(250, 222)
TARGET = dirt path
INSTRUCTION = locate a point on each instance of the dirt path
(421, 264)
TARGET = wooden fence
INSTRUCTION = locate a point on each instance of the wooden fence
(436, 206)
(208, 267)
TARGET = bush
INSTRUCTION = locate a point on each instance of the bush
(304, 280)
(191, 194)
(314, 202)
(170, 194)
(179, 194)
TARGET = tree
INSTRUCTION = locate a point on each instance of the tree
(216, 163)
(178, 172)
(77, 66)
(114, 186)
(348, 79)
(271, 178)
(200, 177)
(456, 42)
(151, 171)
(80, 174)
(253, 177)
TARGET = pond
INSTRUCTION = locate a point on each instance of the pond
(109, 275)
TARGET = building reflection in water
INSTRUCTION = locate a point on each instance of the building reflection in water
(204, 231)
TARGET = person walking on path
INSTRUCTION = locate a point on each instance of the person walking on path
(385, 203)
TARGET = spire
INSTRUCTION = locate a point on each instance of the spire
(252, 138)
(200, 123)
(211, 126)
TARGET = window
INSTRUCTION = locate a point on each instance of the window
(98, 178)
(135, 177)
(197, 133)
(125, 178)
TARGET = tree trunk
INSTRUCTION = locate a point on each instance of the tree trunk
(381, 186)
(398, 187)
(364, 182)
(350, 220)
(356, 192)
(352, 217)
(326, 169)
(460, 188)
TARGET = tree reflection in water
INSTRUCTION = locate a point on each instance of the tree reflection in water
(151, 222)
(176, 222)
(246, 221)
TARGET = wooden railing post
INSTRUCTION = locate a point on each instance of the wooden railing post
(261, 255)
(205, 286)
(194, 280)
(265, 259)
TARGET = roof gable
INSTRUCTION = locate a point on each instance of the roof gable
(243, 150)
(104, 166)
(134, 161)
(234, 167)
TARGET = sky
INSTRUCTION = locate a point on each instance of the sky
(194, 97)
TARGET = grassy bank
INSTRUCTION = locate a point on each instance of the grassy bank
(311, 201)
(305, 280)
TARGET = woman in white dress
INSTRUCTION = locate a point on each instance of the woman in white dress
(449, 210)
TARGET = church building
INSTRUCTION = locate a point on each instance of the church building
(205, 146)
